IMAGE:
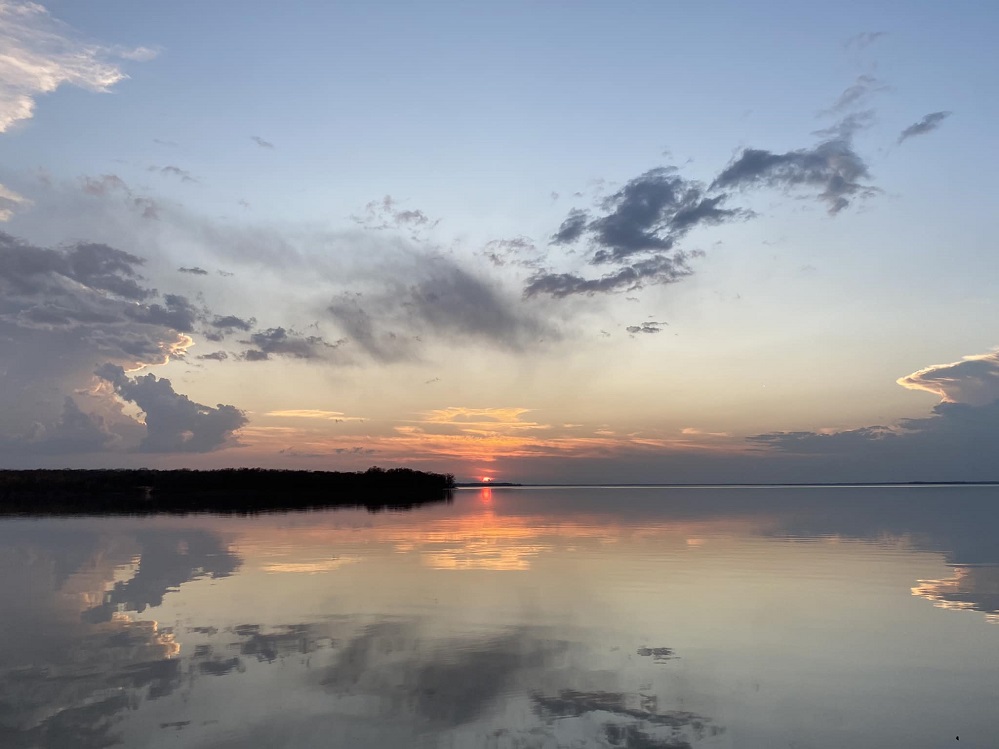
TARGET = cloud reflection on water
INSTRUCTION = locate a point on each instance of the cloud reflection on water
(92, 649)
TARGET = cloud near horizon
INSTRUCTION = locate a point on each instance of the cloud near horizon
(66, 313)
(956, 442)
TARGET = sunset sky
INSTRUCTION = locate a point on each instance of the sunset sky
(587, 242)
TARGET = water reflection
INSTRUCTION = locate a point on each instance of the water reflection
(582, 618)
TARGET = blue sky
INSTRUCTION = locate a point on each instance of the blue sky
(372, 193)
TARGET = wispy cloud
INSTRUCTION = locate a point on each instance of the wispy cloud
(859, 92)
(864, 39)
(10, 203)
(928, 124)
(313, 413)
(174, 171)
(261, 142)
(40, 54)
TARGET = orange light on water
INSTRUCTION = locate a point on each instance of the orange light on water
(486, 494)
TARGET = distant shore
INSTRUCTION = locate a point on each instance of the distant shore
(478, 484)
(230, 491)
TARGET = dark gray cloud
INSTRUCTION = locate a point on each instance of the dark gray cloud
(657, 270)
(648, 215)
(572, 228)
(231, 322)
(176, 313)
(261, 142)
(214, 356)
(282, 342)
(27, 269)
(432, 296)
(959, 440)
(651, 212)
(928, 124)
(639, 231)
(650, 326)
(194, 271)
(832, 168)
(74, 432)
(65, 312)
(174, 423)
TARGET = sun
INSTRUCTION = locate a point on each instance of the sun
(486, 479)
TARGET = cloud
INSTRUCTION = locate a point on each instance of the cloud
(848, 126)
(261, 142)
(648, 215)
(11, 202)
(955, 442)
(176, 313)
(432, 295)
(74, 432)
(194, 271)
(638, 230)
(229, 323)
(40, 54)
(519, 251)
(833, 168)
(108, 185)
(214, 356)
(572, 228)
(656, 270)
(864, 39)
(313, 413)
(647, 327)
(973, 380)
(861, 90)
(282, 342)
(386, 214)
(66, 312)
(136, 54)
(928, 124)
(174, 171)
(174, 423)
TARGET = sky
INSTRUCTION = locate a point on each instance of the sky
(535, 242)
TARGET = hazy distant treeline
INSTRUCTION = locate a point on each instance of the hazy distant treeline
(232, 490)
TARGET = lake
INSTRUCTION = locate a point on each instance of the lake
(513, 617)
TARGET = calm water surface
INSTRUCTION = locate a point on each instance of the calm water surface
(603, 617)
